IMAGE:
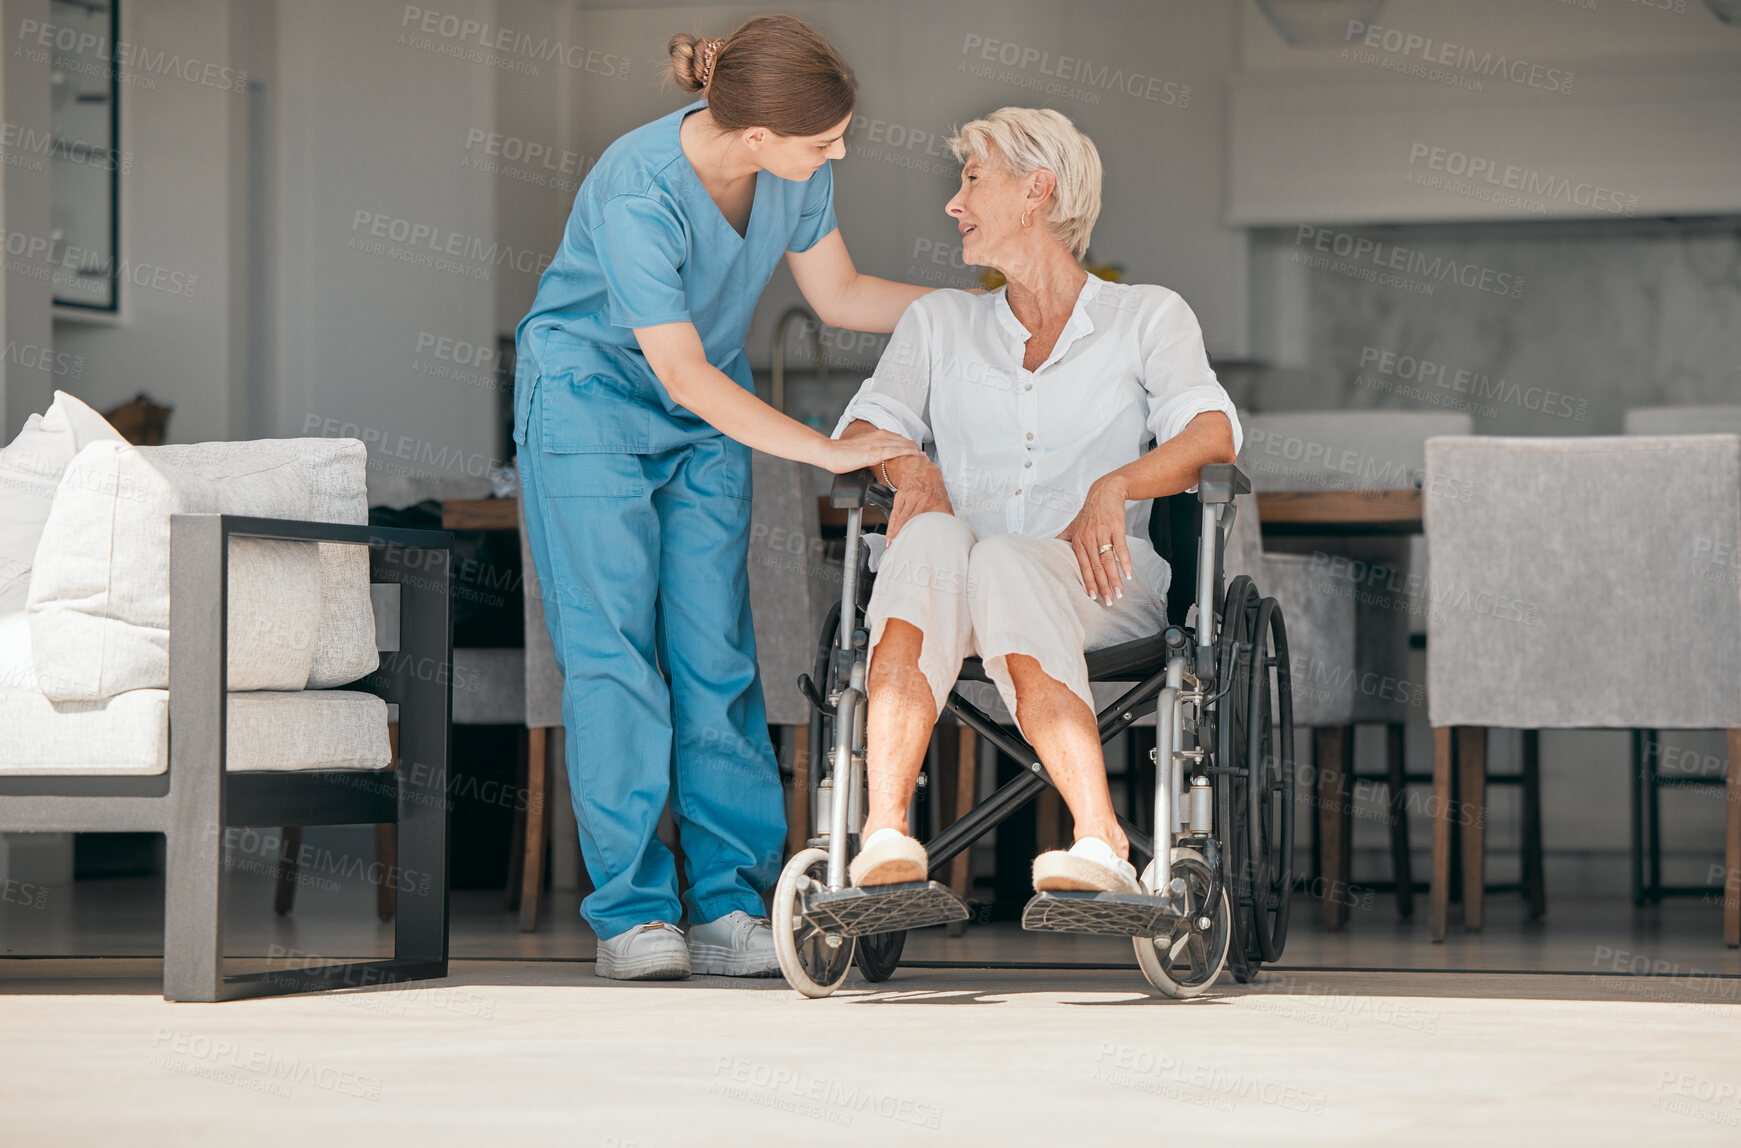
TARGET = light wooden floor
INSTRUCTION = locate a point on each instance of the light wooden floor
(1523, 1034)
(517, 1052)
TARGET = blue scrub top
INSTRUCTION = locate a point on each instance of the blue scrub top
(645, 244)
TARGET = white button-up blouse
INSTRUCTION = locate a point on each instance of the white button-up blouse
(1018, 449)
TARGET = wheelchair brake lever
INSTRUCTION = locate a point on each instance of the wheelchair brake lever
(808, 689)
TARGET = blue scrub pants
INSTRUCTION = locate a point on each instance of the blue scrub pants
(642, 561)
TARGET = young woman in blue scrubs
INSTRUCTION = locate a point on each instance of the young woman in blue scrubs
(635, 416)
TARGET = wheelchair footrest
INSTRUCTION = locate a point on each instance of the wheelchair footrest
(885, 908)
(1107, 914)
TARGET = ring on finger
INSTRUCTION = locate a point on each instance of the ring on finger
(1105, 548)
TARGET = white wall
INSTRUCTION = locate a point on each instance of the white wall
(371, 120)
(25, 329)
(1163, 201)
(1489, 109)
(182, 231)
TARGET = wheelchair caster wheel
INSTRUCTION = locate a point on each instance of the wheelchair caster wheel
(1185, 962)
(813, 962)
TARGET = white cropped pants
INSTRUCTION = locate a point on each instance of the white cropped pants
(1006, 594)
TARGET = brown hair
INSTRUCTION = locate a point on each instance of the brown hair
(775, 72)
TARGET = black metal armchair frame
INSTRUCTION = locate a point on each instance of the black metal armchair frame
(196, 799)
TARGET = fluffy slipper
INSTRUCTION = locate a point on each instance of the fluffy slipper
(1089, 866)
(888, 857)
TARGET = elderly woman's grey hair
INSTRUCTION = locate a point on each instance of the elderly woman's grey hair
(1028, 139)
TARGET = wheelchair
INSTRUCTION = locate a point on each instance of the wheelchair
(1216, 890)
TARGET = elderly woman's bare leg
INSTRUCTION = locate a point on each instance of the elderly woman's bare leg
(897, 726)
(1063, 732)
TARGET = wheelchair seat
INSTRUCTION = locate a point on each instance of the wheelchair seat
(1125, 662)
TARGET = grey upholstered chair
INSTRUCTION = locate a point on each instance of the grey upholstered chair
(1649, 777)
(1577, 583)
(548, 817)
(1369, 683)
(790, 578)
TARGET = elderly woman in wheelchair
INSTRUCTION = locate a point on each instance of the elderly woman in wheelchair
(1026, 541)
(1022, 538)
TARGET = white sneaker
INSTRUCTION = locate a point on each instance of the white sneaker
(1090, 866)
(736, 945)
(651, 952)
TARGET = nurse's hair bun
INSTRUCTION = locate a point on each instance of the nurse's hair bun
(774, 72)
(692, 58)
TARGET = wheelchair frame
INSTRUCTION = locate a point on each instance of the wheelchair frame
(1228, 819)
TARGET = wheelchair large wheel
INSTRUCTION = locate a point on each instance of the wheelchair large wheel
(807, 961)
(1186, 962)
(1270, 784)
(1232, 752)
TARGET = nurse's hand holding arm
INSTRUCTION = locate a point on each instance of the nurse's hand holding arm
(675, 353)
(919, 487)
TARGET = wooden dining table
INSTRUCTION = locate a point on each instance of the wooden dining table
(1284, 513)
(1342, 513)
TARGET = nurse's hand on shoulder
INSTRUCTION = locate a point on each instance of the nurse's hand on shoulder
(844, 455)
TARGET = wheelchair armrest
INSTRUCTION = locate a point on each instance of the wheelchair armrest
(849, 489)
(1220, 481)
(856, 490)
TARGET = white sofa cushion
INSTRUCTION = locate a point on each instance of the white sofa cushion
(98, 607)
(17, 672)
(30, 469)
(129, 733)
(337, 473)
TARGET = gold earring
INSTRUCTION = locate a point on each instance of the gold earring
(1026, 222)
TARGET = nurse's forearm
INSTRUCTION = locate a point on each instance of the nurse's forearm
(842, 297)
(675, 353)
(735, 412)
(872, 304)
(1174, 465)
